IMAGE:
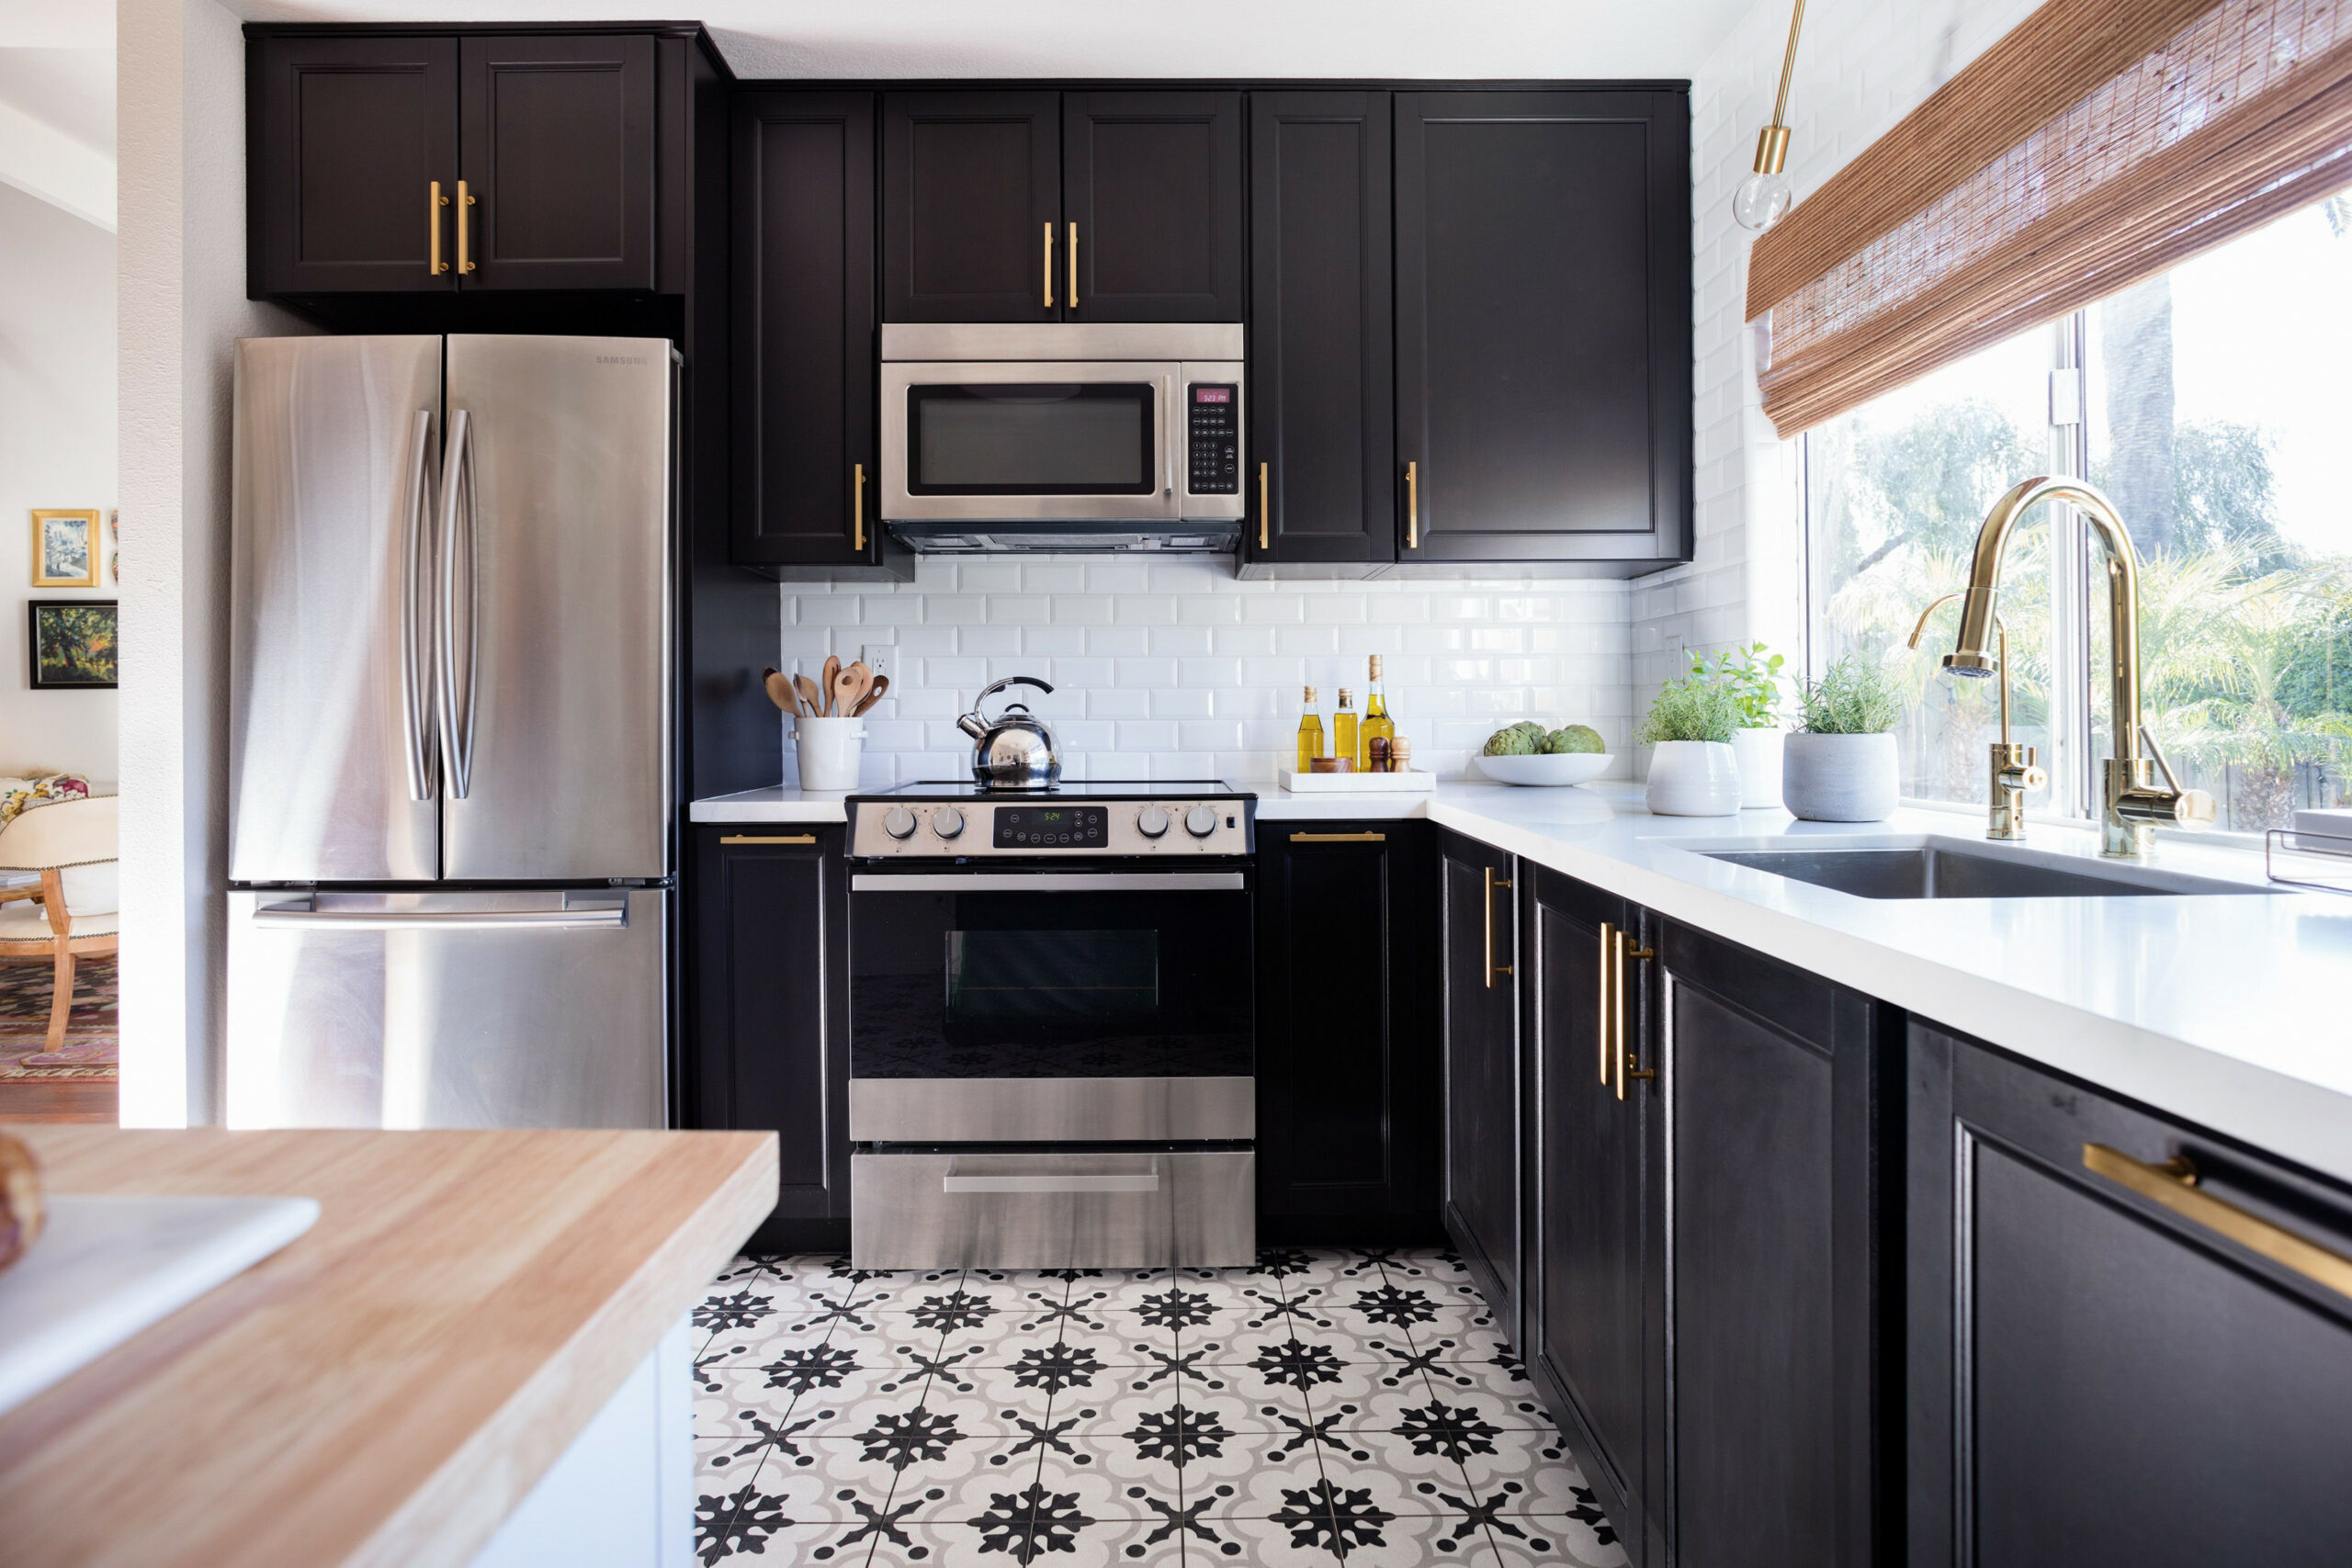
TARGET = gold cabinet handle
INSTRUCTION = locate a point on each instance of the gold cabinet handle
(1049, 266)
(1608, 1010)
(1265, 516)
(2172, 1184)
(465, 264)
(1618, 1021)
(1344, 839)
(432, 214)
(753, 839)
(1073, 267)
(1492, 968)
(1412, 506)
(857, 505)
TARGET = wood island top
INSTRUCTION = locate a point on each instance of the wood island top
(388, 1387)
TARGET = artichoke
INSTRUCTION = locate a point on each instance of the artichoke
(1514, 741)
(1573, 739)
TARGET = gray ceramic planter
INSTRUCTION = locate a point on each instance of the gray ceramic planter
(1840, 778)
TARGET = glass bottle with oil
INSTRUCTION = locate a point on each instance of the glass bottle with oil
(1378, 725)
(1311, 734)
(1343, 730)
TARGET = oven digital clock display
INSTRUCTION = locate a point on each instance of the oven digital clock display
(1052, 827)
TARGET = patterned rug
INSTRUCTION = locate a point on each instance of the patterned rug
(90, 1034)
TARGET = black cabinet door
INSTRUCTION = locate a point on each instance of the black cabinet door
(1347, 1064)
(771, 1046)
(1772, 1077)
(1322, 382)
(1544, 324)
(804, 329)
(971, 208)
(2096, 1376)
(1151, 206)
(559, 159)
(1593, 1340)
(1482, 1069)
(344, 138)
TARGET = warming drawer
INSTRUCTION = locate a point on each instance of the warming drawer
(1064, 1210)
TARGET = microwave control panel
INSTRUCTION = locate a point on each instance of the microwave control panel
(1213, 423)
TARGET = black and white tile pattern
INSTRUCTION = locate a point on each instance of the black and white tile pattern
(1325, 1406)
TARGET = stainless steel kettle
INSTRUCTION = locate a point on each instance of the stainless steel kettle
(1014, 751)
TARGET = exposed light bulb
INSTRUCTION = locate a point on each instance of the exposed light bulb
(1762, 200)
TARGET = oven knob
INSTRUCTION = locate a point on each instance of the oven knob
(946, 821)
(898, 822)
(1151, 822)
(1201, 822)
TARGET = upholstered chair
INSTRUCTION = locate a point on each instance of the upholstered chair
(72, 844)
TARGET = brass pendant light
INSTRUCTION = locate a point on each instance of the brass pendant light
(1764, 196)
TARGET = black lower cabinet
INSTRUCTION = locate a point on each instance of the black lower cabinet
(2096, 1376)
(1593, 1332)
(1772, 1077)
(1480, 1036)
(771, 1028)
(1347, 1057)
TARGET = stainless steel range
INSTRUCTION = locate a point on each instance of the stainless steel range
(1052, 1027)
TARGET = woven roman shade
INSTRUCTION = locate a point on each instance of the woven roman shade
(2098, 143)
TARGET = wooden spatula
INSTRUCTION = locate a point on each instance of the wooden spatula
(780, 689)
(825, 684)
(851, 687)
(873, 696)
(812, 702)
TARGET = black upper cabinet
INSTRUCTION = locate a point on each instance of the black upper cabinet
(1544, 326)
(2094, 1376)
(1151, 206)
(1346, 1065)
(1322, 376)
(556, 150)
(344, 138)
(971, 207)
(554, 136)
(1482, 1069)
(771, 1033)
(805, 442)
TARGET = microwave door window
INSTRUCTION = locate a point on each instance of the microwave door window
(1091, 439)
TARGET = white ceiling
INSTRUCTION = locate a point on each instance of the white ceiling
(1136, 38)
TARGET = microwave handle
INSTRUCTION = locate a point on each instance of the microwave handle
(1169, 403)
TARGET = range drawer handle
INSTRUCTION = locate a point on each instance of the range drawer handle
(1052, 1181)
(2172, 1184)
(1338, 838)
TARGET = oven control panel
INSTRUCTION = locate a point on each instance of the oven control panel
(935, 829)
(1214, 426)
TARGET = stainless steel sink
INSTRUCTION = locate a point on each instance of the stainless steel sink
(1943, 870)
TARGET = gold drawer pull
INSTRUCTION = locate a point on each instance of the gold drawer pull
(1049, 264)
(1338, 838)
(2172, 1184)
(783, 838)
(438, 202)
(465, 262)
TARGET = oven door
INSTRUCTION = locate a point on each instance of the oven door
(1043, 1006)
(1027, 442)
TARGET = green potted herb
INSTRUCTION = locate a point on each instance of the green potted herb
(1690, 725)
(1841, 765)
(1753, 673)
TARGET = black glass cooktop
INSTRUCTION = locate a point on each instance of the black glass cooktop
(1070, 789)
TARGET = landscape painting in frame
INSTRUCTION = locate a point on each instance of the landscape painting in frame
(74, 644)
(65, 549)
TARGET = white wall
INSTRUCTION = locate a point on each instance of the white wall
(1177, 671)
(57, 450)
(182, 306)
(1862, 66)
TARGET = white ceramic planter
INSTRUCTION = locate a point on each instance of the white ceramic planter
(1840, 778)
(829, 752)
(1693, 778)
(1757, 753)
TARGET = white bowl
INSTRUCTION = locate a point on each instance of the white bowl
(1565, 768)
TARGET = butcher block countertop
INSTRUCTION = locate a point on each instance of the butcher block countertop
(389, 1385)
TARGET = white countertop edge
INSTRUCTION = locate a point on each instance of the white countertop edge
(774, 803)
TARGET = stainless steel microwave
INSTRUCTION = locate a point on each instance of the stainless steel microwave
(1063, 437)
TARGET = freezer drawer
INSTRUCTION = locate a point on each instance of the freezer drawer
(1147, 1210)
(522, 1008)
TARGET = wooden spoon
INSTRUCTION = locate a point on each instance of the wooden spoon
(811, 704)
(825, 684)
(851, 687)
(780, 689)
(873, 696)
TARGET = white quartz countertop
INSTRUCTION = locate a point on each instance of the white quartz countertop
(2229, 1011)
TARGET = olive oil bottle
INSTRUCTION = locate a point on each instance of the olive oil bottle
(1343, 730)
(1378, 725)
(1311, 734)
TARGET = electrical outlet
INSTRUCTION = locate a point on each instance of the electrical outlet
(882, 657)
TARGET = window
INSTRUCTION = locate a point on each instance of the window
(2212, 403)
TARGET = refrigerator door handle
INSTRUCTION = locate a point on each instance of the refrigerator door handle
(417, 605)
(456, 491)
(304, 914)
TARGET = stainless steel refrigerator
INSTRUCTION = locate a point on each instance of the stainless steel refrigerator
(450, 750)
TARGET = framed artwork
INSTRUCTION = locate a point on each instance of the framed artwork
(65, 549)
(114, 557)
(74, 644)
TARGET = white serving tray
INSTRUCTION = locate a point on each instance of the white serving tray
(1357, 783)
(105, 1268)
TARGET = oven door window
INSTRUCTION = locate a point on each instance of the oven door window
(1050, 985)
(1033, 438)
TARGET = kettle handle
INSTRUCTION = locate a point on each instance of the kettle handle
(987, 692)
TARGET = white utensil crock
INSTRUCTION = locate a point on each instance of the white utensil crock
(1693, 778)
(1757, 753)
(829, 750)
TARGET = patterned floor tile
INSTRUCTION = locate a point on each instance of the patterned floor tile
(1061, 1541)
(968, 1482)
(1337, 1526)
(1551, 1541)
(1525, 1473)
